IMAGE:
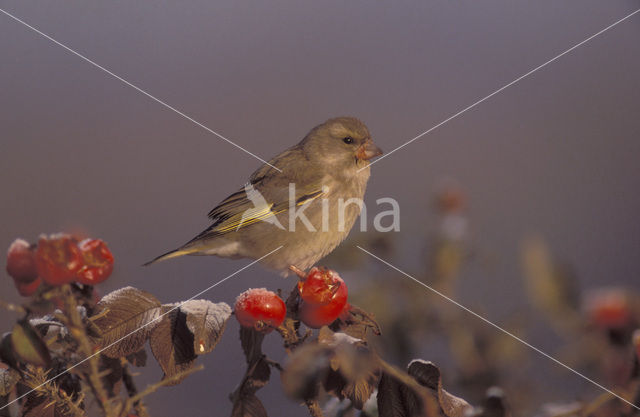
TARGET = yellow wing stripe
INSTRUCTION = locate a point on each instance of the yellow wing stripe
(260, 214)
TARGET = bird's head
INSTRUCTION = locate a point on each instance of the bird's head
(343, 143)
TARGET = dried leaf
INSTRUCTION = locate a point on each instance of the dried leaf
(207, 321)
(355, 364)
(360, 390)
(425, 372)
(396, 400)
(112, 379)
(356, 322)
(258, 370)
(138, 358)
(127, 313)
(341, 363)
(245, 403)
(428, 375)
(307, 367)
(493, 404)
(248, 406)
(172, 343)
(194, 328)
(29, 346)
(251, 342)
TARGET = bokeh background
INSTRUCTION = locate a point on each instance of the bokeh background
(556, 155)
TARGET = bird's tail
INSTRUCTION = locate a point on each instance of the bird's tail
(172, 254)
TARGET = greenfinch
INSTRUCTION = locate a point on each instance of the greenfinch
(306, 207)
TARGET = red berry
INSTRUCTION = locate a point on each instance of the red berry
(21, 263)
(609, 308)
(58, 258)
(450, 198)
(27, 289)
(260, 309)
(316, 315)
(319, 286)
(97, 262)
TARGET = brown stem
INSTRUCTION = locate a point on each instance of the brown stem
(78, 331)
(131, 401)
(299, 272)
(127, 379)
(368, 318)
(38, 380)
(12, 307)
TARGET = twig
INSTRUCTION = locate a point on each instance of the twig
(36, 379)
(13, 307)
(132, 391)
(78, 331)
(596, 403)
(150, 389)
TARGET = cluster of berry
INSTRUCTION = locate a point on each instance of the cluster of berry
(323, 297)
(58, 259)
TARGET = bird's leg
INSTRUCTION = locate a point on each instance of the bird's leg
(299, 272)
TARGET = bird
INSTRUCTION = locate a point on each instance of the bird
(301, 204)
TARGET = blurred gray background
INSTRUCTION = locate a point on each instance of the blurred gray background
(557, 154)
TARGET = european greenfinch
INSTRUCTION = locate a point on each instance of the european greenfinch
(306, 208)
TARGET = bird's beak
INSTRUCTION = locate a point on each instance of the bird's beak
(368, 150)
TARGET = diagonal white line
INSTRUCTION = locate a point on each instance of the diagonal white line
(137, 88)
(500, 328)
(140, 328)
(504, 87)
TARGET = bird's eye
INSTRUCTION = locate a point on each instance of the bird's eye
(348, 140)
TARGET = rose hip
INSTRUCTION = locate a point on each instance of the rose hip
(260, 309)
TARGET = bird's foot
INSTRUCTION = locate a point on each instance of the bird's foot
(299, 272)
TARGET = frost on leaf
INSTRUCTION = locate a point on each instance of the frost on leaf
(127, 314)
(206, 321)
(184, 332)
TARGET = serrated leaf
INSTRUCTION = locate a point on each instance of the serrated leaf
(206, 321)
(128, 314)
(29, 346)
(188, 329)
(172, 342)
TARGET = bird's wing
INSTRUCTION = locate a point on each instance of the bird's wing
(265, 195)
